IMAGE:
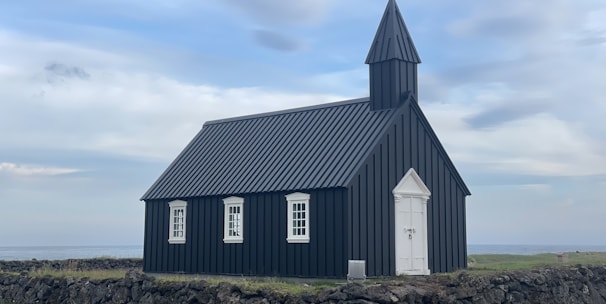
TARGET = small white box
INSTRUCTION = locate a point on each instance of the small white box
(356, 270)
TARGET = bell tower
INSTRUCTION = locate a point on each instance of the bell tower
(392, 61)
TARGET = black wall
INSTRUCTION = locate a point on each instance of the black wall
(390, 81)
(409, 142)
(264, 251)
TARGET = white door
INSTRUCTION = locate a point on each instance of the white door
(404, 236)
(419, 239)
(410, 198)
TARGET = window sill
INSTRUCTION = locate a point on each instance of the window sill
(171, 241)
(297, 240)
(233, 241)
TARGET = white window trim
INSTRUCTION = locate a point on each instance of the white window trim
(233, 201)
(292, 199)
(175, 205)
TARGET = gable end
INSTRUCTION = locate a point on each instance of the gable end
(414, 106)
(412, 184)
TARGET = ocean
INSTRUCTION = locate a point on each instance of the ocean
(85, 252)
(69, 252)
(532, 249)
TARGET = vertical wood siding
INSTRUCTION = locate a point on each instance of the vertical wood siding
(390, 81)
(264, 251)
(408, 143)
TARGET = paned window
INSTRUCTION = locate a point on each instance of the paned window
(178, 220)
(234, 220)
(298, 217)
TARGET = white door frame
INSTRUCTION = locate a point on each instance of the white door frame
(411, 196)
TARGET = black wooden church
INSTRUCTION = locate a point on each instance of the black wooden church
(301, 192)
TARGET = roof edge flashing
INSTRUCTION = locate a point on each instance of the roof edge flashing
(369, 152)
(288, 111)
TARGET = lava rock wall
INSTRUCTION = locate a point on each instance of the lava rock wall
(575, 284)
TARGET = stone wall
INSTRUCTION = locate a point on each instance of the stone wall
(576, 284)
(71, 264)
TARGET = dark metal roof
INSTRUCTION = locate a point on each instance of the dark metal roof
(305, 148)
(392, 40)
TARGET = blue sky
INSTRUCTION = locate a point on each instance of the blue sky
(97, 97)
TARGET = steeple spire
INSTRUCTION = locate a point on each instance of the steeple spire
(392, 60)
(392, 40)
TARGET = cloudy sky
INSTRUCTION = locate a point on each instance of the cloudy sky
(97, 97)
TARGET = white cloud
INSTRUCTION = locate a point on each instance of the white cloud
(595, 20)
(519, 20)
(537, 145)
(534, 106)
(113, 109)
(303, 11)
(538, 188)
(351, 82)
(34, 170)
(24, 53)
(567, 203)
(155, 116)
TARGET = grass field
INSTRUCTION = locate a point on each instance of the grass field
(496, 262)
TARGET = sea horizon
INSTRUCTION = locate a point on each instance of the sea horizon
(8, 253)
(47, 252)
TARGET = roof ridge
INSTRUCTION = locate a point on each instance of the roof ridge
(288, 111)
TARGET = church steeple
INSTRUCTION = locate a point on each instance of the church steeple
(392, 61)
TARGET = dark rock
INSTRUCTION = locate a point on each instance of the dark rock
(359, 301)
(198, 285)
(380, 294)
(331, 295)
(354, 291)
(147, 299)
(71, 264)
(516, 297)
(147, 285)
(228, 293)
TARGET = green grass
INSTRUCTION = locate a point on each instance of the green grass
(91, 274)
(274, 284)
(502, 262)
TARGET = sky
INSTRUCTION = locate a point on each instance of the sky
(98, 97)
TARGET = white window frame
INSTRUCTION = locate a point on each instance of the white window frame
(293, 200)
(233, 202)
(172, 222)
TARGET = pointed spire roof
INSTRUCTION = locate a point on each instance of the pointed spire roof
(392, 40)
